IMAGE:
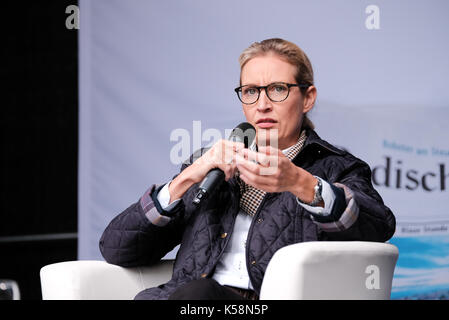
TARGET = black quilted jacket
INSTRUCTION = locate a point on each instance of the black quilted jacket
(132, 240)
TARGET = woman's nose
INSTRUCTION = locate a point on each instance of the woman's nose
(264, 103)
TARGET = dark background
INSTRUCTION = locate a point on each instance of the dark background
(39, 141)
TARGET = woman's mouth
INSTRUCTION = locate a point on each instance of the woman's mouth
(266, 123)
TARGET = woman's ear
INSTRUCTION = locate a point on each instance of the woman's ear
(309, 99)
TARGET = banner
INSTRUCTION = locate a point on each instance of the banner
(150, 70)
(408, 152)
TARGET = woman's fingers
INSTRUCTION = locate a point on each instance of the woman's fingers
(269, 150)
(257, 157)
(246, 174)
(254, 172)
(223, 152)
(255, 180)
(267, 169)
(247, 163)
(223, 156)
(267, 161)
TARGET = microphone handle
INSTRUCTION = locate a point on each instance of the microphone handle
(213, 178)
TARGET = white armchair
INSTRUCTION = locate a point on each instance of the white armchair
(350, 270)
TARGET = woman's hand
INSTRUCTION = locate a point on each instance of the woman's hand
(270, 170)
(221, 155)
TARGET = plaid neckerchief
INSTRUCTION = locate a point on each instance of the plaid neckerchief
(252, 197)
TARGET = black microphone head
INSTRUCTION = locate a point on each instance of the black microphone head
(244, 132)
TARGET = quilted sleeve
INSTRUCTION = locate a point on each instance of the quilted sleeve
(365, 217)
(131, 239)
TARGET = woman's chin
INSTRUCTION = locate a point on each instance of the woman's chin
(268, 138)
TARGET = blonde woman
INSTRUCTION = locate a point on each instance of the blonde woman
(314, 192)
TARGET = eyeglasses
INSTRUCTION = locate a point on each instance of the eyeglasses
(276, 92)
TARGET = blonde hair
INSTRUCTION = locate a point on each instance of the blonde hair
(292, 54)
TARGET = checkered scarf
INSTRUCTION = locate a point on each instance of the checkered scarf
(252, 197)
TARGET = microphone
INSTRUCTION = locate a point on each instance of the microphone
(245, 133)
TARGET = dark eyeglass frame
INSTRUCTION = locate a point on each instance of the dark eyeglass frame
(289, 85)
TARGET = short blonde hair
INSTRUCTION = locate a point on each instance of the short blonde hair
(292, 54)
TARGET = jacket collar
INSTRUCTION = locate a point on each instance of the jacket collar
(314, 139)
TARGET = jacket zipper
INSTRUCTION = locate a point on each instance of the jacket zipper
(251, 227)
(227, 237)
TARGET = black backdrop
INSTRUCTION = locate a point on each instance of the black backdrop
(39, 123)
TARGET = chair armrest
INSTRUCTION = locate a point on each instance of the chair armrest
(352, 270)
(98, 280)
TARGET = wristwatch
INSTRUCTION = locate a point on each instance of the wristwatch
(317, 197)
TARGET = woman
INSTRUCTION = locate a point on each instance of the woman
(313, 191)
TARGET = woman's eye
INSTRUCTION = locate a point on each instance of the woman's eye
(279, 88)
(250, 91)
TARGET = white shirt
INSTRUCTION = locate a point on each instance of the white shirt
(231, 269)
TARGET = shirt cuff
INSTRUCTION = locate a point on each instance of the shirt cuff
(328, 196)
(153, 210)
(150, 210)
(164, 198)
(342, 221)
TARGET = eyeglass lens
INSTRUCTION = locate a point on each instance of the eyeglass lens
(276, 92)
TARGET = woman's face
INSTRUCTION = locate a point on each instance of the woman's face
(267, 116)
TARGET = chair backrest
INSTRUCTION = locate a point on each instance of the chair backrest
(355, 270)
